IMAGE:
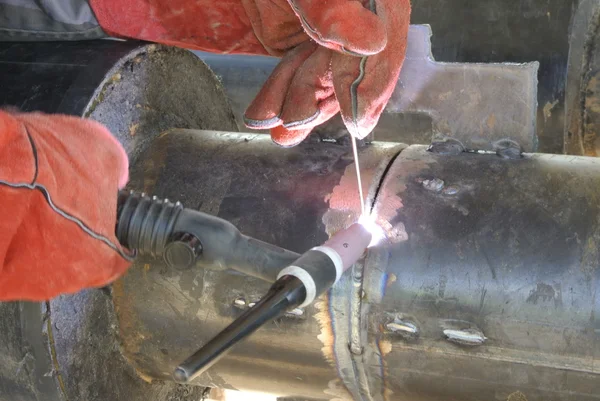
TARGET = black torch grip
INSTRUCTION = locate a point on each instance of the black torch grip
(316, 270)
(287, 292)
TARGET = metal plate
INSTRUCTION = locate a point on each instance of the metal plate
(478, 104)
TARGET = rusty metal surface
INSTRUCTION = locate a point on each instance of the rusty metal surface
(149, 92)
(280, 196)
(475, 103)
(583, 82)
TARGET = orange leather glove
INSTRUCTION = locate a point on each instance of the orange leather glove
(338, 55)
(59, 178)
(349, 61)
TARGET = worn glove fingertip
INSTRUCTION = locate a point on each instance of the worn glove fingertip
(362, 127)
(287, 138)
(261, 123)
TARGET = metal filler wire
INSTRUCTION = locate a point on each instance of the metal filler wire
(356, 164)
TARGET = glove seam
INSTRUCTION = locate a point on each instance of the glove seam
(34, 186)
(69, 217)
(315, 34)
(307, 120)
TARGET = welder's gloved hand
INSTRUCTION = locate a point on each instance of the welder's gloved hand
(351, 64)
(322, 43)
(59, 178)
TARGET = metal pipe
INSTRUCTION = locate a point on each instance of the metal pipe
(484, 285)
(479, 250)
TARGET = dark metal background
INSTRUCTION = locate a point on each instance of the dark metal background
(583, 82)
(508, 31)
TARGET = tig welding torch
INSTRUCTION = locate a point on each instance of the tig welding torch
(185, 237)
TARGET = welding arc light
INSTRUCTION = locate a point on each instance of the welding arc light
(377, 233)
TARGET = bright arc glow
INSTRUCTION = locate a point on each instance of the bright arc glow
(377, 233)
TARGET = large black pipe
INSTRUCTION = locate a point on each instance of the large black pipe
(490, 265)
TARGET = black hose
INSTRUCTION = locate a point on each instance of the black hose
(145, 224)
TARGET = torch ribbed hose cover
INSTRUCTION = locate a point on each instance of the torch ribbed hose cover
(145, 224)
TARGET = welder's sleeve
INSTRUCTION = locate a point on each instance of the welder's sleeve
(338, 55)
(59, 179)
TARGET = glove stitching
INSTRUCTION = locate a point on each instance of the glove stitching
(307, 120)
(304, 22)
(34, 186)
(350, 52)
(250, 122)
(67, 216)
(317, 35)
(354, 91)
(358, 80)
